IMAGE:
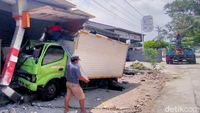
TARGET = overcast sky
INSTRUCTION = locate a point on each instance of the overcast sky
(120, 14)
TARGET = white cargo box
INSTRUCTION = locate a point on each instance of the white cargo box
(101, 57)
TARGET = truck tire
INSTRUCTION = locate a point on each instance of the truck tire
(50, 91)
(169, 62)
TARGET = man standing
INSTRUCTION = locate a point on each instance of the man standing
(73, 75)
(178, 40)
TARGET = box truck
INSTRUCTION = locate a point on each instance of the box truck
(42, 66)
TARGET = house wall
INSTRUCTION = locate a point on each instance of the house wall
(138, 54)
(128, 36)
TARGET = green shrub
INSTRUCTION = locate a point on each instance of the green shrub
(155, 44)
(151, 54)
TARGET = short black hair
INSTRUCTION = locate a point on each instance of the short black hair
(75, 58)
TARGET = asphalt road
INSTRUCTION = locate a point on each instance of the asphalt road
(181, 93)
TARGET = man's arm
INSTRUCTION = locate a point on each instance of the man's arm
(84, 79)
(81, 77)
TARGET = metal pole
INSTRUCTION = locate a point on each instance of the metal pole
(142, 36)
(13, 53)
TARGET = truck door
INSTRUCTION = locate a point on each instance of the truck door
(53, 64)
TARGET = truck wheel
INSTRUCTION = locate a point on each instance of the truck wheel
(194, 60)
(169, 62)
(50, 91)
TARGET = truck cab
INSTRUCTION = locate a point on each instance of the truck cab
(182, 54)
(41, 68)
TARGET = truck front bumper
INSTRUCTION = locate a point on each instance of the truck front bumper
(27, 84)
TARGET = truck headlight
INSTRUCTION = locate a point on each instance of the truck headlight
(33, 78)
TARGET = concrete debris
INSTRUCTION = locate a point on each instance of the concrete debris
(139, 90)
(11, 110)
(148, 95)
(109, 106)
(24, 107)
(138, 65)
(49, 105)
(124, 82)
(98, 99)
(150, 72)
(3, 111)
(130, 71)
(136, 68)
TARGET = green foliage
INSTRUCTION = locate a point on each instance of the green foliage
(189, 41)
(151, 54)
(188, 7)
(185, 16)
(155, 44)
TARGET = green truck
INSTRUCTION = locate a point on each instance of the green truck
(41, 68)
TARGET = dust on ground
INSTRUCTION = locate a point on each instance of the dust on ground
(138, 97)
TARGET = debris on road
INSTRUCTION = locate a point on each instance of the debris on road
(135, 68)
(139, 66)
(3, 99)
(137, 97)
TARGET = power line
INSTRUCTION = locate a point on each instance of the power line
(133, 7)
(107, 12)
(113, 13)
(127, 11)
(121, 11)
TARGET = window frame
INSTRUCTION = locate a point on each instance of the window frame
(55, 60)
(40, 53)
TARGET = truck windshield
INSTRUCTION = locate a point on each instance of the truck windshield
(35, 50)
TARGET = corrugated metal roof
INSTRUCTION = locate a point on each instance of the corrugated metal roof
(55, 14)
(128, 31)
(58, 3)
(55, 3)
(62, 7)
(98, 25)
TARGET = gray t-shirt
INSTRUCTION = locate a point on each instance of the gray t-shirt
(72, 73)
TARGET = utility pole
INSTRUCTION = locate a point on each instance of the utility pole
(158, 29)
(22, 19)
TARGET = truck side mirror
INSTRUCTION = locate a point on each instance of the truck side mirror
(36, 54)
(36, 60)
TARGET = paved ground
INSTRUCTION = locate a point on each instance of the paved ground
(139, 91)
(181, 93)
